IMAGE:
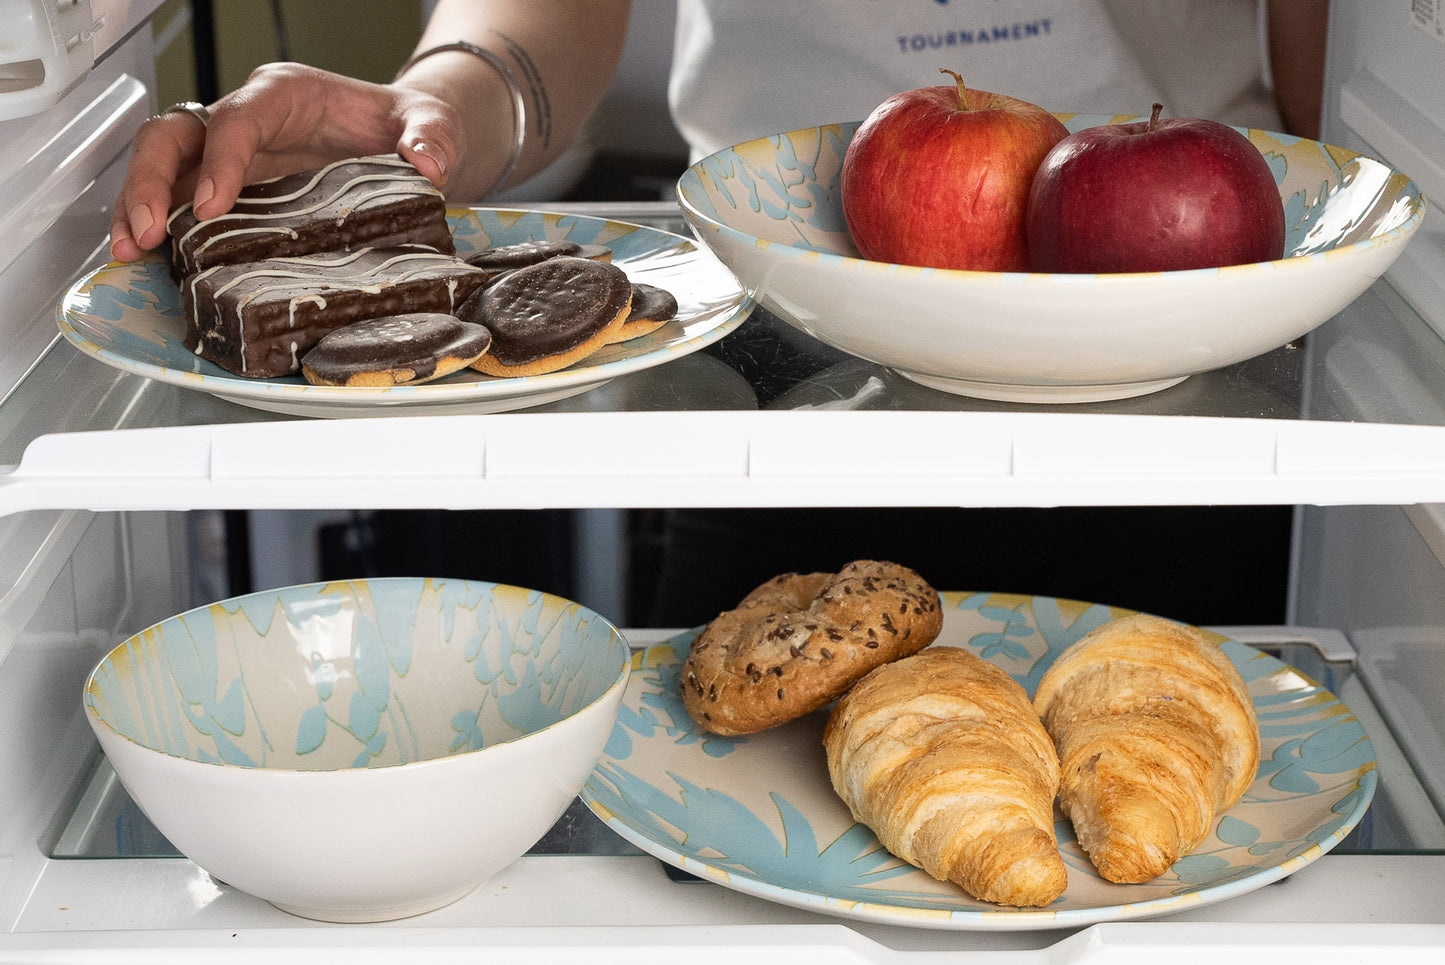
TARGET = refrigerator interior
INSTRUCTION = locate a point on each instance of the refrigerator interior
(106, 533)
(1373, 571)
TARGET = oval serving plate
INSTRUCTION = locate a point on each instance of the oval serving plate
(758, 814)
(129, 316)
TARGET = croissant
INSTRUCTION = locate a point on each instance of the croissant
(942, 755)
(1156, 735)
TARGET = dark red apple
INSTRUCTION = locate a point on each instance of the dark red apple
(1155, 195)
(939, 177)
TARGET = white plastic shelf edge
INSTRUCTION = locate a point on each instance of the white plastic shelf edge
(584, 460)
(1144, 943)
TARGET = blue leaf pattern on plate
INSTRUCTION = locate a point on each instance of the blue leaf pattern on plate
(1337, 747)
(738, 841)
(147, 288)
(661, 711)
(718, 807)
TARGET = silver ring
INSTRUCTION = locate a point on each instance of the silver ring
(196, 110)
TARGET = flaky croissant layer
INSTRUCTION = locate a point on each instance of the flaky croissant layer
(943, 756)
(1156, 736)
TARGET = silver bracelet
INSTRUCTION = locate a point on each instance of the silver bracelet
(519, 107)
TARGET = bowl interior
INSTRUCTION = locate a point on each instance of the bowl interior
(784, 190)
(356, 674)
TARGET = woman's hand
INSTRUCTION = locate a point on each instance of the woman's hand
(286, 118)
(450, 115)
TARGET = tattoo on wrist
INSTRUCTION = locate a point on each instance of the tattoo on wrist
(531, 80)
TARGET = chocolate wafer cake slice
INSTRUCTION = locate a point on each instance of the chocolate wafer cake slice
(257, 319)
(373, 202)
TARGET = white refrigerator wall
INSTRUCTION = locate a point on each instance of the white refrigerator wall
(1378, 573)
(1385, 96)
(72, 584)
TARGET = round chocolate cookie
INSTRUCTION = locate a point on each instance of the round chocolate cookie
(521, 254)
(395, 350)
(652, 308)
(549, 315)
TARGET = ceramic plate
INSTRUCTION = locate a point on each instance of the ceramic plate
(129, 316)
(771, 208)
(759, 815)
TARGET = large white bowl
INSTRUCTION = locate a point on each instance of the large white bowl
(365, 750)
(770, 209)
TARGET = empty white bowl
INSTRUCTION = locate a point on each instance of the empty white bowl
(360, 751)
(771, 211)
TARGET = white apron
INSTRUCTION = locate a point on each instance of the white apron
(750, 68)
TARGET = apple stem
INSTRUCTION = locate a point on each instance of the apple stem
(1154, 117)
(962, 90)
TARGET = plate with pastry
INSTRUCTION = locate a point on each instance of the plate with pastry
(243, 330)
(992, 762)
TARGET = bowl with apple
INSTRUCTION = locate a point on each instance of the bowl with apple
(873, 238)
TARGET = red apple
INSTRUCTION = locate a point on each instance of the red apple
(939, 177)
(1155, 195)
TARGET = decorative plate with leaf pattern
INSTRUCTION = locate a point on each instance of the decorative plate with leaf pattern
(759, 815)
(129, 316)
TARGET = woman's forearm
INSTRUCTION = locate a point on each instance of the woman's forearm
(561, 53)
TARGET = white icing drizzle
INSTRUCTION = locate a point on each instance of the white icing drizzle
(285, 278)
(276, 267)
(396, 184)
(400, 190)
(321, 173)
(234, 232)
(318, 300)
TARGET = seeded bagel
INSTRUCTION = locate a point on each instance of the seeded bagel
(799, 641)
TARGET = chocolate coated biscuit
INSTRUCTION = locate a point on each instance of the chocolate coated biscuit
(259, 318)
(371, 202)
(504, 258)
(652, 308)
(395, 350)
(549, 315)
(521, 254)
